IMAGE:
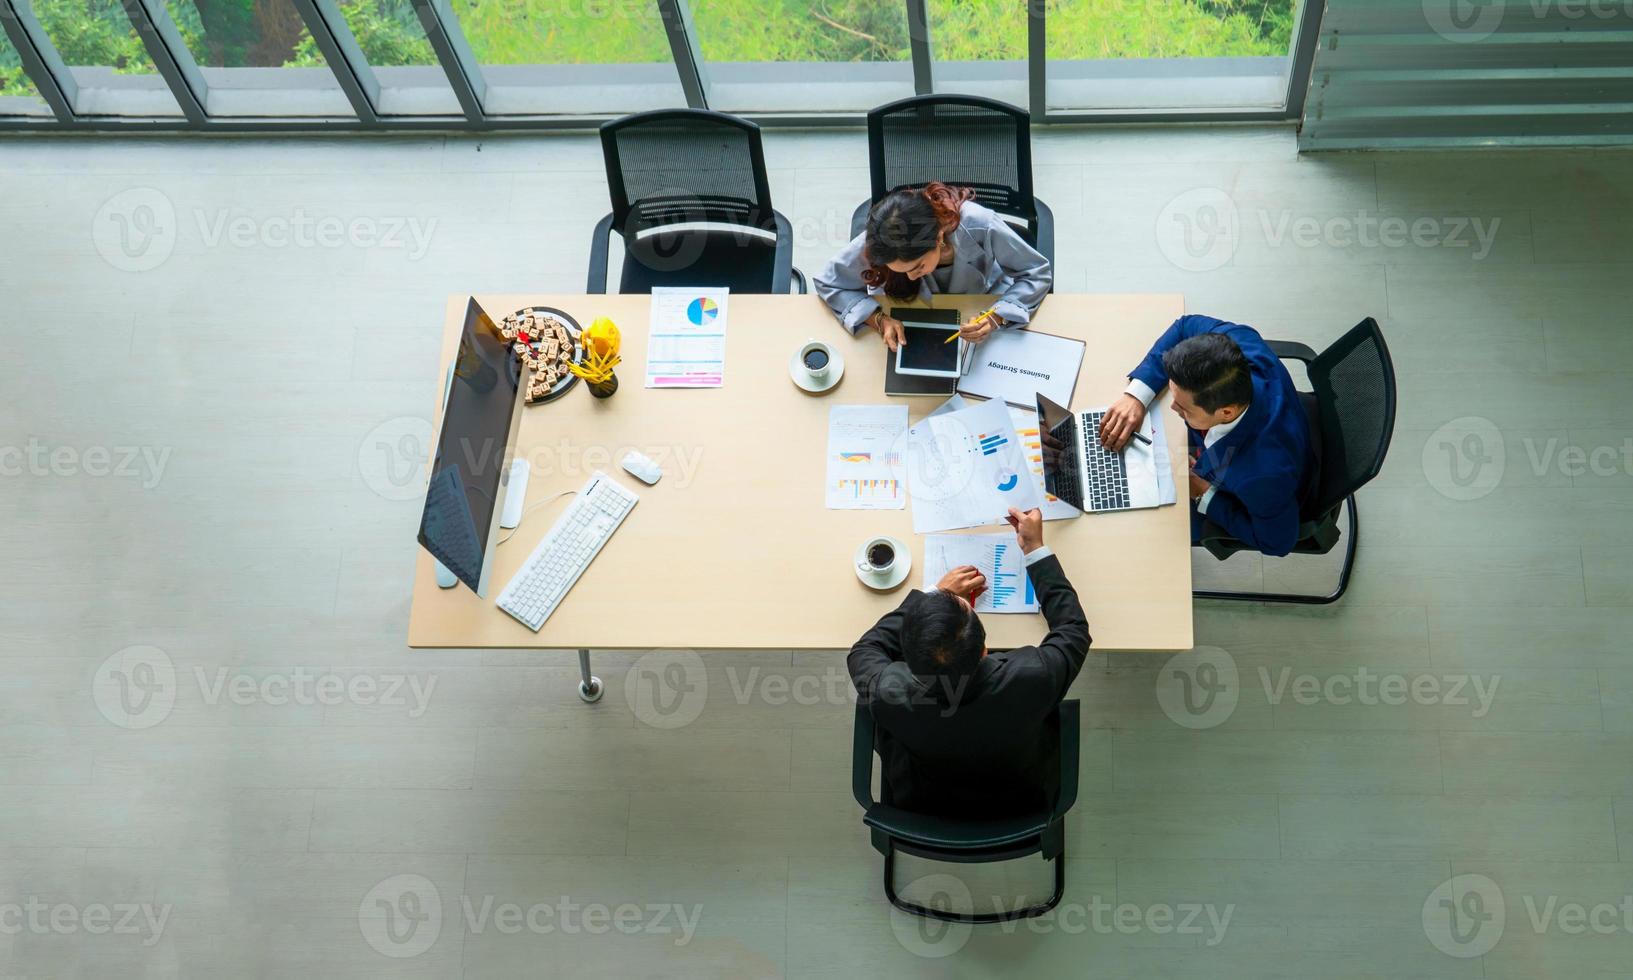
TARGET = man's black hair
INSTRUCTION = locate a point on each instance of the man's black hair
(1211, 367)
(941, 638)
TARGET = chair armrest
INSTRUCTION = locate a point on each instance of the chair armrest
(598, 255)
(1071, 737)
(783, 263)
(862, 758)
(1046, 234)
(799, 280)
(1291, 350)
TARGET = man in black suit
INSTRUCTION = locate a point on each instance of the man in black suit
(961, 730)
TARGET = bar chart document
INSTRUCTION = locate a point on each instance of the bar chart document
(865, 469)
(999, 558)
(966, 468)
(686, 345)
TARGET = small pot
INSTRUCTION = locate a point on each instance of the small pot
(604, 389)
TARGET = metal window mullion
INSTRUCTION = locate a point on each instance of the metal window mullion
(41, 63)
(1037, 62)
(1306, 35)
(169, 54)
(682, 31)
(333, 37)
(918, 39)
(454, 52)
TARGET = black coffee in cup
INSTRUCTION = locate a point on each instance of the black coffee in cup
(816, 359)
(881, 555)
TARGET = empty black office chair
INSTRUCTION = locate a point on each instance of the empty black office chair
(691, 201)
(1352, 417)
(982, 144)
(951, 839)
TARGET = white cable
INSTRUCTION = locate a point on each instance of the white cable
(533, 507)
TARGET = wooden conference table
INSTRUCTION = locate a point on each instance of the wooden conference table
(734, 547)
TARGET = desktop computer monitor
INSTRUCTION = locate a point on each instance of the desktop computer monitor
(481, 405)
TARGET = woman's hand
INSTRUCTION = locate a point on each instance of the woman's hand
(980, 328)
(889, 328)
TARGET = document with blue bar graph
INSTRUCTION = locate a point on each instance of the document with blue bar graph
(998, 556)
(966, 468)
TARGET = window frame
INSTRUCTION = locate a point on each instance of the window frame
(362, 88)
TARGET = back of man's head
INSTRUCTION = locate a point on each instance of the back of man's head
(943, 638)
(1212, 368)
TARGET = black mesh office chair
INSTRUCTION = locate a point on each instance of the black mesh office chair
(982, 144)
(1352, 417)
(967, 841)
(669, 172)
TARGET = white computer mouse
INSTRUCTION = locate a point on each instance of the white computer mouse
(642, 467)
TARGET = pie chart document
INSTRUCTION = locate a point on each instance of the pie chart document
(687, 344)
(966, 469)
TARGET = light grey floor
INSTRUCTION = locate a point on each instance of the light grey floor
(209, 715)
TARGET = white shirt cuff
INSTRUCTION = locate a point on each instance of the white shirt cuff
(1203, 501)
(1038, 554)
(1139, 389)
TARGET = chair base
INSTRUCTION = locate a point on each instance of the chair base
(974, 918)
(1344, 571)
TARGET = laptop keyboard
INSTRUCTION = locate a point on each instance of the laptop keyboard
(1108, 480)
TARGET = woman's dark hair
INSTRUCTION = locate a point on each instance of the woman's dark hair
(941, 638)
(905, 225)
(1211, 367)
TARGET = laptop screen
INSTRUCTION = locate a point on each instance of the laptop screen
(1057, 436)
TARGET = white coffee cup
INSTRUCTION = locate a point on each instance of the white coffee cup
(817, 359)
(877, 548)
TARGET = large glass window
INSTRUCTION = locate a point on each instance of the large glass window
(569, 57)
(980, 47)
(18, 97)
(109, 65)
(804, 55)
(257, 59)
(1168, 54)
(412, 82)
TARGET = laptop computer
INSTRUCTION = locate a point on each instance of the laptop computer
(1083, 473)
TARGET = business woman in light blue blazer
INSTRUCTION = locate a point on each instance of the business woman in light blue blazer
(934, 239)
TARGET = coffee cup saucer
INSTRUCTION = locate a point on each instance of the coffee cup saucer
(797, 372)
(890, 580)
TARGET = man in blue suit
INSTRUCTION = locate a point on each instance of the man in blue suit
(1251, 459)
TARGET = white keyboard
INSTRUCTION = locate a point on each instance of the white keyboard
(561, 557)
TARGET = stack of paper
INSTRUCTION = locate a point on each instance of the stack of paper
(966, 468)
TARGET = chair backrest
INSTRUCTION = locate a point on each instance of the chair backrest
(982, 144)
(1354, 382)
(682, 166)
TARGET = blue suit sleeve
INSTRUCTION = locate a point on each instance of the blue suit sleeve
(1150, 370)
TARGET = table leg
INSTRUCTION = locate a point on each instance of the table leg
(589, 688)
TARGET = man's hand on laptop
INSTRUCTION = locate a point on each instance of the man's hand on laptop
(1028, 528)
(965, 581)
(1121, 421)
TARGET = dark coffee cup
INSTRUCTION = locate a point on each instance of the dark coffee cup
(816, 359)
